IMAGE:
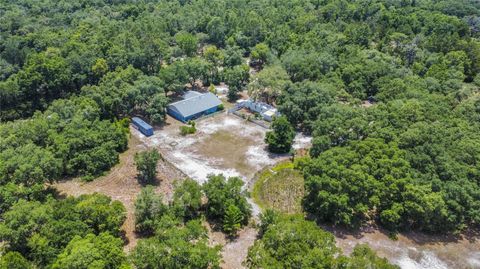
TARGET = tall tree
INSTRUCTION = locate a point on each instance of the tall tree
(146, 162)
(280, 139)
(222, 194)
(177, 246)
(187, 199)
(233, 220)
(149, 209)
(102, 251)
(187, 42)
(14, 260)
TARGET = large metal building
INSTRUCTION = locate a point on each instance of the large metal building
(194, 105)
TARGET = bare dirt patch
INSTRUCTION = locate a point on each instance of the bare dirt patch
(215, 145)
(222, 144)
(121, 184)
(234, 251)
(414, 250)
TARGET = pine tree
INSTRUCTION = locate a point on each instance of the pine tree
(232, 220)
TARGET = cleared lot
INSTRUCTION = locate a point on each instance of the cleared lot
(222, 144)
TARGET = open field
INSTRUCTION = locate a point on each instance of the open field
(215, 145)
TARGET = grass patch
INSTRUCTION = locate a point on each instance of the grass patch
(280, 188)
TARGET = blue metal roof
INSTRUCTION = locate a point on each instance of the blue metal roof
(141, 123)
(190, 94)
(196, 104)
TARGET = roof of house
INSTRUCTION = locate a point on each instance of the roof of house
(190, 94)
(141, 123)
(196, 104)
(258, 106)
(270, 112)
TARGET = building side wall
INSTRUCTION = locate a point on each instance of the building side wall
(211, 110)
(182, 118)
(175, 114)
(143, 130)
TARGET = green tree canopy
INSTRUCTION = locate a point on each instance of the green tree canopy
(14, 260)
(293, 243)
(280, 139)
(149, 209)
(92, 251)
(177, 246)
(187, 199)
(223, 194)
(146, 162)
(289, 241)
(41, 231)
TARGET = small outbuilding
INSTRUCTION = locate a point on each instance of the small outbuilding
(194, 105)
(267, 111)
(142, 126)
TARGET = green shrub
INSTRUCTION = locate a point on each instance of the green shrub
(188, 129)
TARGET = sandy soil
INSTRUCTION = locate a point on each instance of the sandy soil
(415, 250)
(238, 147)
(223, 144)
(121, 184)
(234, 251)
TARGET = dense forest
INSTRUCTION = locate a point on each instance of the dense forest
(387, 88)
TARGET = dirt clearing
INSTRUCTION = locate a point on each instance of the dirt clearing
(234, 251)
(414, 250)
(223, 144)
(215, 145)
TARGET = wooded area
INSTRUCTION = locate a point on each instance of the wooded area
(387, 88)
